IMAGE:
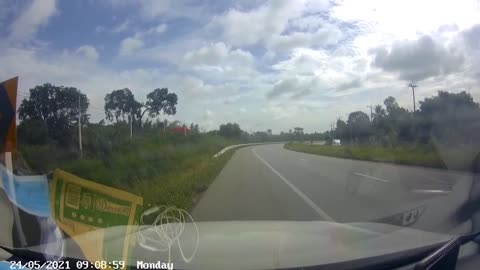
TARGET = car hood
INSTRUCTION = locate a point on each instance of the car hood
(261, 244)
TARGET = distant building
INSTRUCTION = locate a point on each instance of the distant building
(180, 130)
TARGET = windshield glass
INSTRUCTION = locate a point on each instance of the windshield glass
(201, 134)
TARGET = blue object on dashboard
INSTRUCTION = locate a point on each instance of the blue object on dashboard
(4, 265)
(30, 193)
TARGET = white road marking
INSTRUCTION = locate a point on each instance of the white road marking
(307, 200)
(428, 191)
(371, 177)
(303, 159)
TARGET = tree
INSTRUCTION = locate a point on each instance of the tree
(379, 127)
(379, 114)
(32, 131)
(359, 125)
(259, 136)
(194, 129)
(298, 131)
(120, 103)
(391, 105)
(450, 117)
(341, 130)
(160, 101)
(57, 107)
(398, 122)
(230, 130)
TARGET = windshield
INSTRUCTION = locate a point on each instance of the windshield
(237, 134)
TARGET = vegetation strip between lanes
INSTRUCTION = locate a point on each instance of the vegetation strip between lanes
(396, 155)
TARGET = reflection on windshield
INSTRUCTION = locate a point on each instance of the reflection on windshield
(166, 135)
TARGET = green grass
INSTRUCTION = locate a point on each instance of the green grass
(173, 171)
(184, 187)
(454, 159)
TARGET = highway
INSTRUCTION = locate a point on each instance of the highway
(268, 182)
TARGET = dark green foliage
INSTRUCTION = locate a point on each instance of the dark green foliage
(447, 118)
(160, 101)
(230, 130)
(120, 103)
(32, 131)
(57, 107)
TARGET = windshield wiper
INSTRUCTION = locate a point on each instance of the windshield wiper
(446, 256)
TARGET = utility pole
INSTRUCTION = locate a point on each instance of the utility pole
(130, 118)
(413, 86)
(80, 126)
(371, 112)
(349, 124)
(165, 127)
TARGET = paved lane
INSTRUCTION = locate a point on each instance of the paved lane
(268, 182)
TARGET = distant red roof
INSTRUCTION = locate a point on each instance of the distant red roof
(180, 130)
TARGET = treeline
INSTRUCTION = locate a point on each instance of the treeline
(50, 117)
(160, 158)
(51, 114)
(233, 130)
(451, 119)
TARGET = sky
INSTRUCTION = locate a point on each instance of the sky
(263, 64)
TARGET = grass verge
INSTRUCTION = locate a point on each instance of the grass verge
(454, 159)
(183, 188)
(163, 172)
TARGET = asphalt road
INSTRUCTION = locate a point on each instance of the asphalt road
(268, 182)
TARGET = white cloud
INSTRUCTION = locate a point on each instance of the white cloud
(218, 61)
(130, 45)
(121, 27)
(151, 10)
(309, 23)
(472, 37)
(405, 19)
(309, 71)
(35, 16)
(304, 61)
(419, 59)
(88, 51)
(211, 54)
(161, 28)
(100, 29)
(288, 57)
(283, 87)
(303, 88)
(267, 20)
(218, 54)
(39, 66)
(330, 35)
(194, 87)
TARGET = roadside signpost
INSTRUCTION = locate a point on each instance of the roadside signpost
(8, 108)
(8, 138)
